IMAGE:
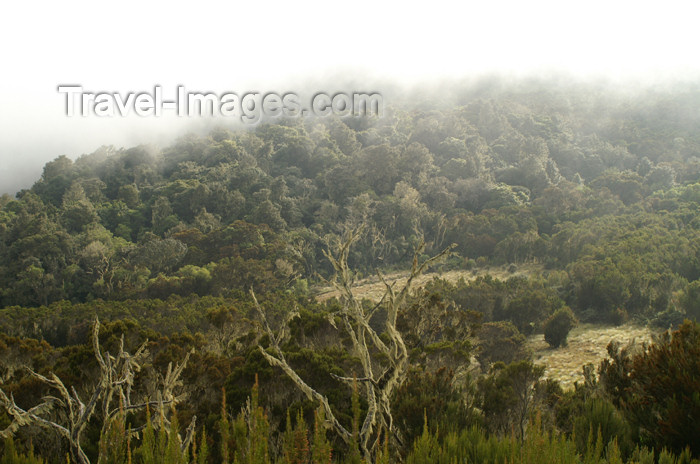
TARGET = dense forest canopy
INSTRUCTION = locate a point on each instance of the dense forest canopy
(597, 188)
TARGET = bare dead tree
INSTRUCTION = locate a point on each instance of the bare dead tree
(115, 384)
(380, 244)
(384, 361)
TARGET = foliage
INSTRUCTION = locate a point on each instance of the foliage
(493, 171)
(507, 396)
(663, 399)
(599, 416)
(550, 207)
(500, 342)
(557, 327)
(431, 396)
(11, 455)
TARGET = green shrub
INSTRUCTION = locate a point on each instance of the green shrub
(12, 456)
(599, 415)
(557, 327)
(501, 341)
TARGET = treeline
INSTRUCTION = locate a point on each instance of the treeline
(577, 179)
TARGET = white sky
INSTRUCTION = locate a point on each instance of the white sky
(274, 45)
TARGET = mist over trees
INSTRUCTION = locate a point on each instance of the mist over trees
(596, 190)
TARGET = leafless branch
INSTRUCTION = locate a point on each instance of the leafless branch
(375, 354)
(116, 380)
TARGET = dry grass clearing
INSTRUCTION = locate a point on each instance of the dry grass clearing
(373, 289)
(587, 343)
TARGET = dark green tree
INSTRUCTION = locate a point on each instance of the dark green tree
(557, 327)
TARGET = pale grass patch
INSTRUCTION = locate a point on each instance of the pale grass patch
(373, 289)
(587, 343)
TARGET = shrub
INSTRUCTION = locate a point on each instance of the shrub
(11, 455)
(664, 393)
(557, 327)
(600, 416)
(501, 341)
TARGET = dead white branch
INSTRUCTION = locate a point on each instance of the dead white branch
(389, 358)
(116, 381)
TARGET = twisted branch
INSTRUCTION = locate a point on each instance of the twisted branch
(371, 350)
(116, 378)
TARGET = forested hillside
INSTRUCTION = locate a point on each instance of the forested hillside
(598, 188)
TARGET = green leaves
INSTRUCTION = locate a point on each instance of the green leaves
(557, 327)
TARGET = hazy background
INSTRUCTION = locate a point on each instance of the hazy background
(268, 46)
